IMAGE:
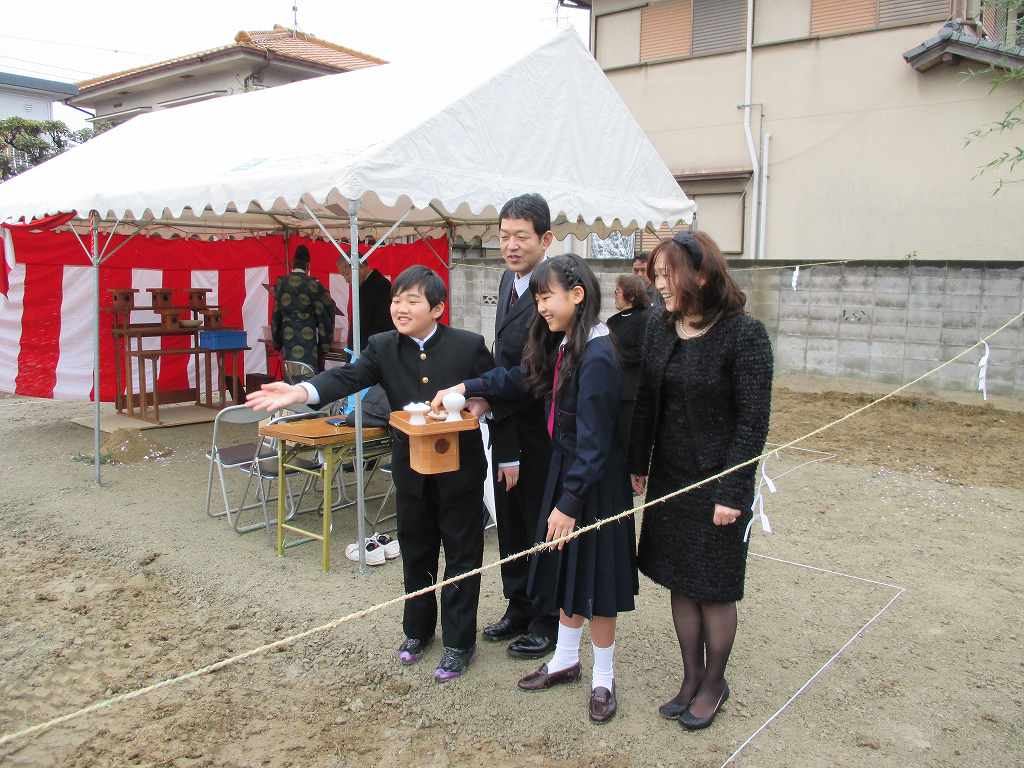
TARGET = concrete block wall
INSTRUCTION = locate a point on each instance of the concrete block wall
(887, 322)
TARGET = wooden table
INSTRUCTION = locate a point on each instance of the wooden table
(337, 444)
(143, 400)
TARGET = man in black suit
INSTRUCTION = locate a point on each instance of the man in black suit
(522, 448)
(374, 301)
(412, 363)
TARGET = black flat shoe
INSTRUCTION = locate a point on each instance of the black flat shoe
(531, 646)
(691, 723)
(503, 629)
(671, 710)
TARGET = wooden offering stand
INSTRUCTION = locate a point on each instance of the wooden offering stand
(175, 320)
(434, 446)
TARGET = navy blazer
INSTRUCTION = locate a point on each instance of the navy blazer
(586, 407)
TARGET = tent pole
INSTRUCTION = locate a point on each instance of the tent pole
(353, 258)
(94, 225)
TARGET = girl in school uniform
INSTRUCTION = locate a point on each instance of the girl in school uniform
(570, 361)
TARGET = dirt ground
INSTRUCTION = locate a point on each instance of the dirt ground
(106, 590)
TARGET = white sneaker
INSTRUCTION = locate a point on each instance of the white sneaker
(374, 552)
(389, 545)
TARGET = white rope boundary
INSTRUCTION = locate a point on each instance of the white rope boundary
(795, 266)
(120, 698)
(831, 660)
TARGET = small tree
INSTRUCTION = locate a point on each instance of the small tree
(27, 143)
(1009, 160)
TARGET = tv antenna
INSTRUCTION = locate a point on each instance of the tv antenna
(295, 18)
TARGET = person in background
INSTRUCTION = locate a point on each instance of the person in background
(522, 448)
(410, 363)
(570, 361)
(302, 324)
(627, 329)
(374, 302)
(702, 407)
(640, 270)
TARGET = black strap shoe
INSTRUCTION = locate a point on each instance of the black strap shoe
(531, 646)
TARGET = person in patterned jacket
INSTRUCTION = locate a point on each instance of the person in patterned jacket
(303, 322)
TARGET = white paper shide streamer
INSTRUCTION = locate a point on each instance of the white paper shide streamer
(796, 276)
(758, 506)
(983, 373)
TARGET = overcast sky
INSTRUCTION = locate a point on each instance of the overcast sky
(70, 40)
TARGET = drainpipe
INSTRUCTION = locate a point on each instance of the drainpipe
(765, 141)
(751, 148)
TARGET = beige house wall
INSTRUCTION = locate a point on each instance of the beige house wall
(867, 156)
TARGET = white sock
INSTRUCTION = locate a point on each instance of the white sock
(567, 648)
(604, 667)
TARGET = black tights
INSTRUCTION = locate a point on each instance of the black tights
(706, 632)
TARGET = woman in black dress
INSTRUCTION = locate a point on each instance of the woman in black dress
(627, 329)
(703, 406)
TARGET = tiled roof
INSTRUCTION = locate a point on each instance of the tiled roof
(956, 39)
(299, 45)
(280, 42)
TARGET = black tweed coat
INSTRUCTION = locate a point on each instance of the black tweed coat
(703, 406)
(728, 399)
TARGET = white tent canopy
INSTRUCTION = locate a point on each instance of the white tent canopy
(454, 141)
(435, 145)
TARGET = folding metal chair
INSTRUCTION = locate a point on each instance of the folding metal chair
(258, 461)
(294, 371)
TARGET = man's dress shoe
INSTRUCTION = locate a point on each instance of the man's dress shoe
(531, 646)
(503, 629)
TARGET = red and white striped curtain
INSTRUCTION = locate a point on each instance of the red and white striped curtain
(47, 320)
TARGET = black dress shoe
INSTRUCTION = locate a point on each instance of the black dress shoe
(531, 646)
(691, 723)
(505, 629)
(672, 709)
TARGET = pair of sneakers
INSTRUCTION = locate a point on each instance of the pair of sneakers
(454, 661)
(379, 548)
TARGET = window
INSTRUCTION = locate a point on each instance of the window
(672, 29)
(1002, 25)
(617, 38)
(719, 25)
(666, 30)
(836, 16)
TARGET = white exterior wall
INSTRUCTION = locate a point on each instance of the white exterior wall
(867, 159)
(229, 76)
(17, 103)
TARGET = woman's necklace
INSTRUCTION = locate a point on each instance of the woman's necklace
(683, 330)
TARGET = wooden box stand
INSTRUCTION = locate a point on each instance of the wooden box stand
(434, 446)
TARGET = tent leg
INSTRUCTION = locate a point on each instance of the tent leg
(353, 257)
(96, 349)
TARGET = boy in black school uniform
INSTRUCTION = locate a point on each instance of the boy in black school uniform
(412, 363)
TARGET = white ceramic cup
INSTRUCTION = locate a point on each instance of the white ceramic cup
(417, 413)
(454, 403)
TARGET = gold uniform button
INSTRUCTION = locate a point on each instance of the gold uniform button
(425, 380)
(423, 355)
